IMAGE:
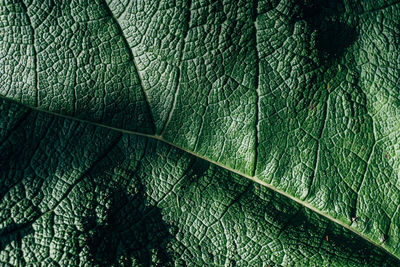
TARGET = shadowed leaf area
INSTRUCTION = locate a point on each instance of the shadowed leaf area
(13, 233)
(132, 233)
(79, 195)
(331, 29)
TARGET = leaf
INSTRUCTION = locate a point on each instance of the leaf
(76, 194)
(300, 96)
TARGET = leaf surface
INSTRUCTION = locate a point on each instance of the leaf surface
(300, 96)
(73, 194)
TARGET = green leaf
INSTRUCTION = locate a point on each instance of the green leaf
(76, 194)
(300, 96)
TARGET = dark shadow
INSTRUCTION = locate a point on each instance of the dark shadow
(132, 233)
(199, 168)
(332, 36)
(14, 233)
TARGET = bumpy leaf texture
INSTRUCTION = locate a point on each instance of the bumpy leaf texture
(73, 194)
(299, 95)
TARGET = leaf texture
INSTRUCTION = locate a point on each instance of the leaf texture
(73, 194)
(300, 96)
